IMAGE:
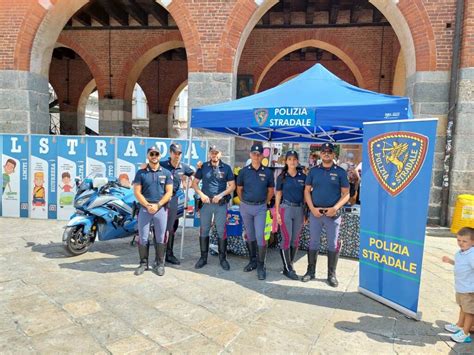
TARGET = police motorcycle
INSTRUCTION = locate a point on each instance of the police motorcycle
(104, 209)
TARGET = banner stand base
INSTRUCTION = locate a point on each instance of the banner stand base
(397, 307)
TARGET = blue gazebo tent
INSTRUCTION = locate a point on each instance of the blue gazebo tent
(316, 106)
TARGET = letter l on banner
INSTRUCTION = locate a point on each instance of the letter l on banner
(396, 179)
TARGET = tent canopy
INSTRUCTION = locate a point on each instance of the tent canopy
(316, 106)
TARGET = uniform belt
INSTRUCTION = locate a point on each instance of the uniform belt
(292, 204)
(253, 203)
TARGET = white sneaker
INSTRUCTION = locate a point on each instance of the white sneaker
(452, 328)
(460, 337)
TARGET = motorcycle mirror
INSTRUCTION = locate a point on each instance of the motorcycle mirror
(78, 181)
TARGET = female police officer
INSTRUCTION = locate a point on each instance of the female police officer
(326, 191)
(289, 202)
(153, 188)
(255, 185)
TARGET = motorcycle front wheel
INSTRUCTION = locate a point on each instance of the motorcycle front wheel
(76, 243)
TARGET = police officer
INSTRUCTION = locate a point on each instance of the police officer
(153, 188)
(178, 172)
(255, 185)
(326, 191)
(289, 203)
(217, 185)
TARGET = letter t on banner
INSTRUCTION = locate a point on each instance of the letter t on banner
(397, 165)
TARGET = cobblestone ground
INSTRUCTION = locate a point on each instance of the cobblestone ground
(51, 303)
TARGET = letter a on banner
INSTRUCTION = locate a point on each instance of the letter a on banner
(397, 162)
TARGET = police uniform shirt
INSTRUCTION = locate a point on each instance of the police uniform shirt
(177, 173)
(255, 183)
(214, 178)
(292, 188)
(153, 183)
(326, 184)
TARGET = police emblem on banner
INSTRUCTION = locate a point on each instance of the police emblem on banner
(396, 159)
(261, 116)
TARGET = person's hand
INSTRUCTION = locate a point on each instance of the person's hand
(199, 164)
(142, 166)
(331, 212)
(315, 212)
(279, 220)
(216, 199)
(205, 199)
(152, 208)
(447, 260)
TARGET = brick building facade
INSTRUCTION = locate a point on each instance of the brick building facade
(390, 46)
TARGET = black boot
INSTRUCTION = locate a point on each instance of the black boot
(261, 271)
(311, 271)
(170, 258)
(223, 253)
(143, 254)
(159, 267)
(252, 265)
(293, 251)
(204, 245)
(288, 270)
(333, 257)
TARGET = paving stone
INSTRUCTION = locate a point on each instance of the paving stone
(195, 345)
(13, 342)
(82, 308)
(66, 340)
(167, 331)
(135, 344)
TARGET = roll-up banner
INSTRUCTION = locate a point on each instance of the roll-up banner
(397, 161)
(71, 165)
(43, 176)
(100, 157)
(15, 176)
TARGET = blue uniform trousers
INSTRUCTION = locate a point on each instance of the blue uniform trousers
(254, 218)
(159, 224)
(219, 212)
(316, 225)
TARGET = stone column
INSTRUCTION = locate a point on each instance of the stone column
(68, 122)
(211, 88)
(158, 125)
(24, 102)
(462, 173)
(429, 94)
(115, 117)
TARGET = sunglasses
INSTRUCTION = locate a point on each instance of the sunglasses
(154, 154)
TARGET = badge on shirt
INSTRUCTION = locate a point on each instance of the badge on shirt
(162, 180)
(262, 177)
(301, 182)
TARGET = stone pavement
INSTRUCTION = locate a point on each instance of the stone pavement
(51, 303)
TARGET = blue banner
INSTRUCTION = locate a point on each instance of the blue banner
(100, 157)
(71, 164)
(285, 116)
(43, 173)
(198, 148)
(396, 179)
(15, 180)
(131, 154)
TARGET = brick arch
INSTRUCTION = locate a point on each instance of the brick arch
(241, 21)
(410, 22)
(326, 42)
(142, 57)
(173, 99)
(41, 28)
(81, 106)
(408, 18)
(88, 58)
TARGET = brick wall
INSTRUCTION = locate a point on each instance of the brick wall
(362, 45)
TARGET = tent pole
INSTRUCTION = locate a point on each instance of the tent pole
(186, 195)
